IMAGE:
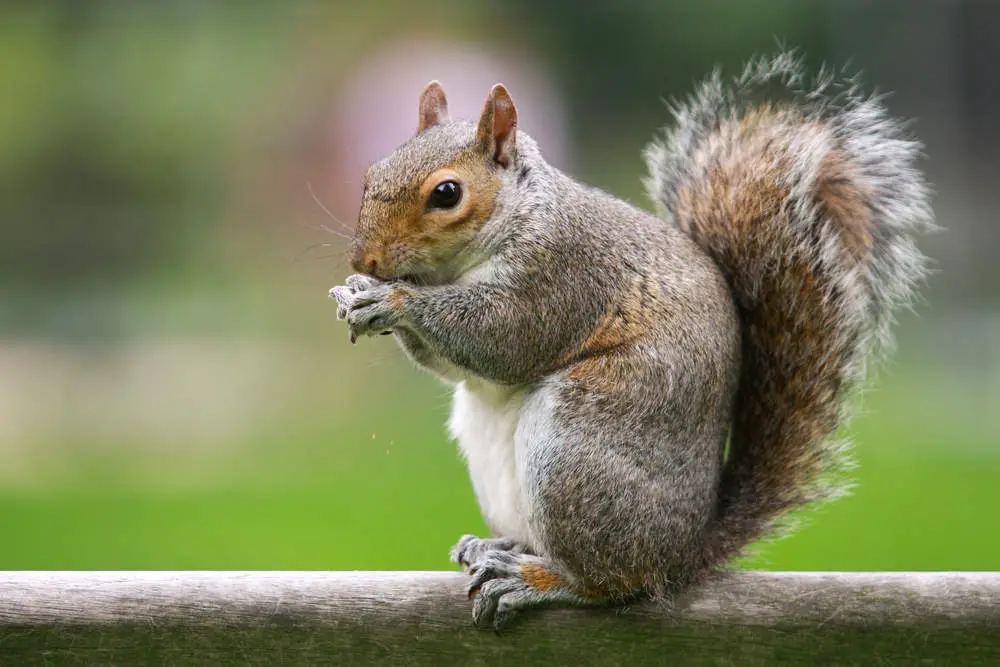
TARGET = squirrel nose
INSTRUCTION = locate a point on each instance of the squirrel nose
(365, 263)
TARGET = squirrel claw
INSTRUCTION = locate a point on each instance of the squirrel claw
(471, 550)
(500, 590)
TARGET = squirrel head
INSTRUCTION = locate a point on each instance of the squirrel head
(425, 202)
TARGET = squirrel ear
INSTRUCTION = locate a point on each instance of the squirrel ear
(498, 126)
(433, 106)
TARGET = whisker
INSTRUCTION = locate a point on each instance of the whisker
(316, 199)
(298, 258)
(330, 230)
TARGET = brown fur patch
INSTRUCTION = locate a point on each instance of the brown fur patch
(480, 186)
(398, 297)
(619, 327)
(403, 223)
(539, 578)
(628, 322)
(838, 195)
(631, 319)
(724, 205)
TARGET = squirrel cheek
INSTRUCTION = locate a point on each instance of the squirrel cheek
(396, 255)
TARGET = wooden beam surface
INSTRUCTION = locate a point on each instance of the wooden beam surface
(423, 618)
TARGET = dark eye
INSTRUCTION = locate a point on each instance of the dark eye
(445, 195)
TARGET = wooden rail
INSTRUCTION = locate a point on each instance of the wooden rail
(423, 618)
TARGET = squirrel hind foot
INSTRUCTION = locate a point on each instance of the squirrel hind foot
(505, 583)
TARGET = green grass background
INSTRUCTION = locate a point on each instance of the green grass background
(393, 494)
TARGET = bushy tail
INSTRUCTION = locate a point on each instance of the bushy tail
(807, 197)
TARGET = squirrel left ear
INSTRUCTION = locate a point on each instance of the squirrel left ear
(498, 126)
(433, 106)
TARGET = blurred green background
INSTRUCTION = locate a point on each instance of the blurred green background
(175, 392)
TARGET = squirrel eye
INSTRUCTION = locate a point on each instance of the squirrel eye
(445, 195)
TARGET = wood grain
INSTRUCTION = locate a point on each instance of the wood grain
(423, 618)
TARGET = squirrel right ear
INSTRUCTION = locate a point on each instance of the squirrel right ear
(433, 106)
(498, 126)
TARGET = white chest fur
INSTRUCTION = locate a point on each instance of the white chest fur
(484, 421)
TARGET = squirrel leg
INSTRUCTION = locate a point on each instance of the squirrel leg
(505, 583)
(471, 550)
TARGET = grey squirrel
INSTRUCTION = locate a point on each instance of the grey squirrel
(603, 357)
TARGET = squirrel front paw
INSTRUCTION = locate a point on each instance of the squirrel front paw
(471, 550)
(370, 306)
(344, 294)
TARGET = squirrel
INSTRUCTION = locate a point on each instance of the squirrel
(641, 397)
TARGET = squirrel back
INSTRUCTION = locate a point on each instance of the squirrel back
(807, 198)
